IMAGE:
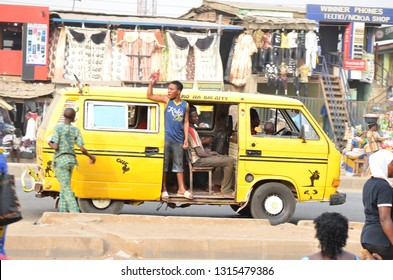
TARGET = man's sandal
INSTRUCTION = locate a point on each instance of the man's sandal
(164, 196)
(186, 194)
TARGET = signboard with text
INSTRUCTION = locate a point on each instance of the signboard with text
(353, 47)
(36, 44)
(335, 13)
(355, 64)
(384, 33)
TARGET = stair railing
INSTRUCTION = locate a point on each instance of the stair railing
(353, 120)
(335, 125)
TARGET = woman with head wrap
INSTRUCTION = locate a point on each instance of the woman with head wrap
(374, 141)
(377, 233)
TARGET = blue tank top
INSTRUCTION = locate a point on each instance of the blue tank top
(174, 121)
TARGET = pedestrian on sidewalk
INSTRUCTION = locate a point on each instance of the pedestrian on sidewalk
(374, 139)
(377, 232)
(63, 140)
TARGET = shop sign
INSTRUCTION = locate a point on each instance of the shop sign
(384, 33)
(355, 64)
(36, 41)
(368, 74)
(335, 13)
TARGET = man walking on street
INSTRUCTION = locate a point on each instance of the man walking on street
(63, 140)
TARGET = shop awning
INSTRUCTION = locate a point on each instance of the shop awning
(265, 22)
(17, 89)
(67, 17)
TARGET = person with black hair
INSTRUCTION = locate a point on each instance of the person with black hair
(65, 136)
(374, 139)
(377, 232)
(201, 157)
(332, 233)
(268, 128)
(176, 132)
(255, 121)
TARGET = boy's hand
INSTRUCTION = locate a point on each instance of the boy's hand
(185, 144)
(154, 77)
(92, 159)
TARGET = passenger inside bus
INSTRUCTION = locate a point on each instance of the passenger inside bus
(201, 157)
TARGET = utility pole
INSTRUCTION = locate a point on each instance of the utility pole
(147, 8)
(73, 4)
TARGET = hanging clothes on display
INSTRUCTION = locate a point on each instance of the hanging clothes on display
(87, 54)
(241, 64)
(52, 51)
(292, 44)
(271, 74)
(140, 52)
(257, 58)
(311, 49)
(267, 48)
(230, 58)
(284, 47)
(301, 44)
(193, 56)
(276, 42)
(319, 51)
(57, 53)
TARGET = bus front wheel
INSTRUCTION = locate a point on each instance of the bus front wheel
(273, 201)
(104, 206)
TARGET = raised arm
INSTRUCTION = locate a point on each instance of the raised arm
(159, 98)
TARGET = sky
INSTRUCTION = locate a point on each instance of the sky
(175, 8)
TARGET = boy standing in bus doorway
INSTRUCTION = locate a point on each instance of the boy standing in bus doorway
(63, 140)
(176, 132)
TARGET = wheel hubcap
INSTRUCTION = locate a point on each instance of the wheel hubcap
(273, 205)
(101, 203)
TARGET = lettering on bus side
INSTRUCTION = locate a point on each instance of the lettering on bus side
(125, 167)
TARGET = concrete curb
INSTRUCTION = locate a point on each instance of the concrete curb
(100, 236)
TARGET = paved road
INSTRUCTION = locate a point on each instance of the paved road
(34, 207)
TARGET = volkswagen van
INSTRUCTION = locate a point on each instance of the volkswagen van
(299, 163)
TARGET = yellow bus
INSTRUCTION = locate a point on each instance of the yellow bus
(298, 163)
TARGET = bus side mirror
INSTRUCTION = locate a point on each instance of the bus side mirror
(303, 134)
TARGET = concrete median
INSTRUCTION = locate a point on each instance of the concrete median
(100, 236)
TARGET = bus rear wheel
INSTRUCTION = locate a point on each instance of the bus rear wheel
(103, 206)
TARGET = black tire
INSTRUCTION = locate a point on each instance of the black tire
(94, 206)
(244, 212)
(273, 201)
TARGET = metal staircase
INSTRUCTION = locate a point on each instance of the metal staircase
(335, 90)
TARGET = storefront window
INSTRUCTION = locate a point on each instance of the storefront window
(10, 36)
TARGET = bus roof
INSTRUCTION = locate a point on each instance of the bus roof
(187, 94)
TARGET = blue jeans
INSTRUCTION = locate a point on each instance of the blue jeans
(177, 155)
